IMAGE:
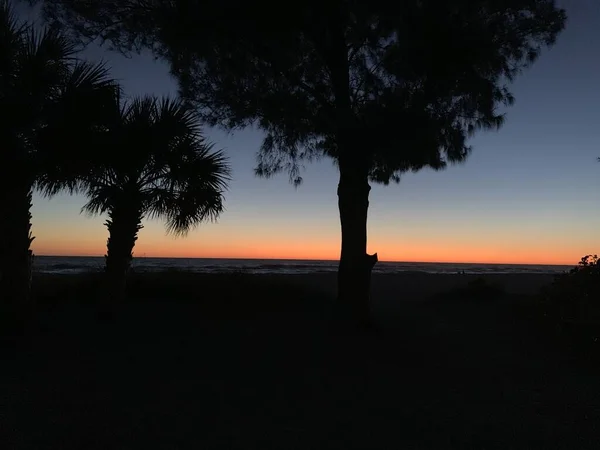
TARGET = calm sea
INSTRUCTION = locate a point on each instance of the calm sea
(80, 264)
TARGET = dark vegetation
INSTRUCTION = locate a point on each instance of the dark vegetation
(51, 104)
(381, 88)
(152, 161)
(237, 361)
(478, 289)
(69, 129)
(571, 306)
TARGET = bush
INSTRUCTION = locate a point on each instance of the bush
(478, 289)
(578, 291)
(573, 299)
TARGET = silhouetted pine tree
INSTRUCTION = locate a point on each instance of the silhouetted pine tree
(380, 87)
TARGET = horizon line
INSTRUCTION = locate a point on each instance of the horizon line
(305, 259)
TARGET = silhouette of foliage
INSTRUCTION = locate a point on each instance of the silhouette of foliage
(51, 103)
(398, 68)
(380, 87)
(575, 295)
(482, 289)
(152, 162)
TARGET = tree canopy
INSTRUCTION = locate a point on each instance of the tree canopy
(380, 87)
(408, 82)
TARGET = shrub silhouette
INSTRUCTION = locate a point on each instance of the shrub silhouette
(478, 289)
(572, 301)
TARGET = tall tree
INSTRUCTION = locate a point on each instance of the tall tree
(380, 87)
(152, 162)
(49, 102)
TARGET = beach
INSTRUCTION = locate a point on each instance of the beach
(256, 362)
(181, 279)
(420, 285)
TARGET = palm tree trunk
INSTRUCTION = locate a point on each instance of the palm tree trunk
(123, 224)
(15, 254)
(354, 273)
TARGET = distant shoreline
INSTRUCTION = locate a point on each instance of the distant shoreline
(316, 260)
(73, 265)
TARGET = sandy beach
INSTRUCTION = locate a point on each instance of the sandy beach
(238, 226)
(420, 285)
(257, 362)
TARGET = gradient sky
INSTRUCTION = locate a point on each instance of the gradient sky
(529, 193)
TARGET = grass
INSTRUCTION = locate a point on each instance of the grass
(235, 361)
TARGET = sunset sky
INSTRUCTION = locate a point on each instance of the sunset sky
(529, 193)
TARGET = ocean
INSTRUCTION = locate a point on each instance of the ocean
(82, 264)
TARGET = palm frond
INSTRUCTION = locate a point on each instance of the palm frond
(174, 119)
(193, 190)
(57, 105)
(159, 160)
(51, 44)
(70, 144)
(12, 37)
(46, 62)
(91, 76)
(8, 19)
(101, 197)
(188, 210)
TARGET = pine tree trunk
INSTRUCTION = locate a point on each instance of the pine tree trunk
(15, 254)
(123, 225)
(354, 274)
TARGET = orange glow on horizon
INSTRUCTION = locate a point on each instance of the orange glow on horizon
(302, 251)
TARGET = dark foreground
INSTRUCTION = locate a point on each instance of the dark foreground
(236, 362)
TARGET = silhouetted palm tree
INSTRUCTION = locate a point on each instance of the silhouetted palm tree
(49, 101)
(156, 164)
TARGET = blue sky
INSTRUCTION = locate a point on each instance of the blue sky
(528, 193)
